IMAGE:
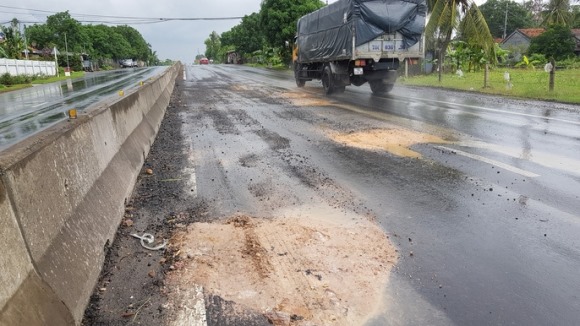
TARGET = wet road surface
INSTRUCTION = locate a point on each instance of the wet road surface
(479, 195)
(27, 111)
(487, 223)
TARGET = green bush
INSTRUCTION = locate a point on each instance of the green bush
(538, 60)
(535, 60)
(21, 79)
(557, 41)
(569, 63)
(74, 62)
(9, 80)
(6, 79)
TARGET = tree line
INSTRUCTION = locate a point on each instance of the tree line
(101, 43)
(454, 25)
(265, 36)
(557, 17)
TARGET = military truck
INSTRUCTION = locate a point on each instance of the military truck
(352, 42)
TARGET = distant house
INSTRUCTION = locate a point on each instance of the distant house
(518, 42)
(31, 52)
(520, 39)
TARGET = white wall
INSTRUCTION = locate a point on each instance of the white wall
(27, 67)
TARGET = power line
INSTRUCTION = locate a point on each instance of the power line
(122, 19)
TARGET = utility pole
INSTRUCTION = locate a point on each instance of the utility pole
(505, 20)
(66, 49)
(25, 43)
(56, 63)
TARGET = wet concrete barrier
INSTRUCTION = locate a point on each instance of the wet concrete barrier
(62, 196)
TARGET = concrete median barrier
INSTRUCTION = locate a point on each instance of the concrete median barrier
(62, 195)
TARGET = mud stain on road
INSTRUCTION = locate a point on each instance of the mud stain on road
(304, 99)
(395, 141)
(300, 269)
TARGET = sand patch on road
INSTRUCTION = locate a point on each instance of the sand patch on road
(303, 269)
(305, 99)
(394, 141)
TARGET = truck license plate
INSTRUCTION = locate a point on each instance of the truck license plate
(389, 46)
(358, 71)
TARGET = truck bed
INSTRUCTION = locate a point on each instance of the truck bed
(346, 29)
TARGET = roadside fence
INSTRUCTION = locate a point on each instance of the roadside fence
(27, 67)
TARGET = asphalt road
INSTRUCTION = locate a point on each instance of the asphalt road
(30, 110)
(479, 194)
(492, 218)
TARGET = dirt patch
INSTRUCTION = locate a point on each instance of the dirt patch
(295, 270)
(394, 141)
(304, 99)
(239, 88)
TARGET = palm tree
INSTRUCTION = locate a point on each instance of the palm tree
(448, 17)
(558, 13)
(14, 43)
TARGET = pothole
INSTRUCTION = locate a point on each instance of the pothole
(304, 99)
(313, 269)
(395, 141)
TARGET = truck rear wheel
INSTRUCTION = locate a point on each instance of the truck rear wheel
(299, 82)
(327, 81)
(380, 87)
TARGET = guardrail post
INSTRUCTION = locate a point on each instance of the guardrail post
(486, 76)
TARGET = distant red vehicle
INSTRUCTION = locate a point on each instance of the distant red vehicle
(203, 61)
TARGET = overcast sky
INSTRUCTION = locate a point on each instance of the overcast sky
(177, 40)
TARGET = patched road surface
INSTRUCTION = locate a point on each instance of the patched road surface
(282, 206)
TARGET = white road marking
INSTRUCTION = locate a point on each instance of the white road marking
(192, 311)
(492, 162)
(199, 308)
(498, 110)
(191, 183)
(541, 158)
(39, 105)
(189, 173)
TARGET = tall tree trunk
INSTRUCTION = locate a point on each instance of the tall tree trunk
(440, 64)
(442, 51)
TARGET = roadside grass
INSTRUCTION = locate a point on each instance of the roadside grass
(267, 66)
(525, 83)
(39, 81)
(74, 74)
(4, 88)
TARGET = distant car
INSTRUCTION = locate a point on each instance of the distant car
(203, 61)
(128, 63)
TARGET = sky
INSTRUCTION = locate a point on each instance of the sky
(176, 40)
